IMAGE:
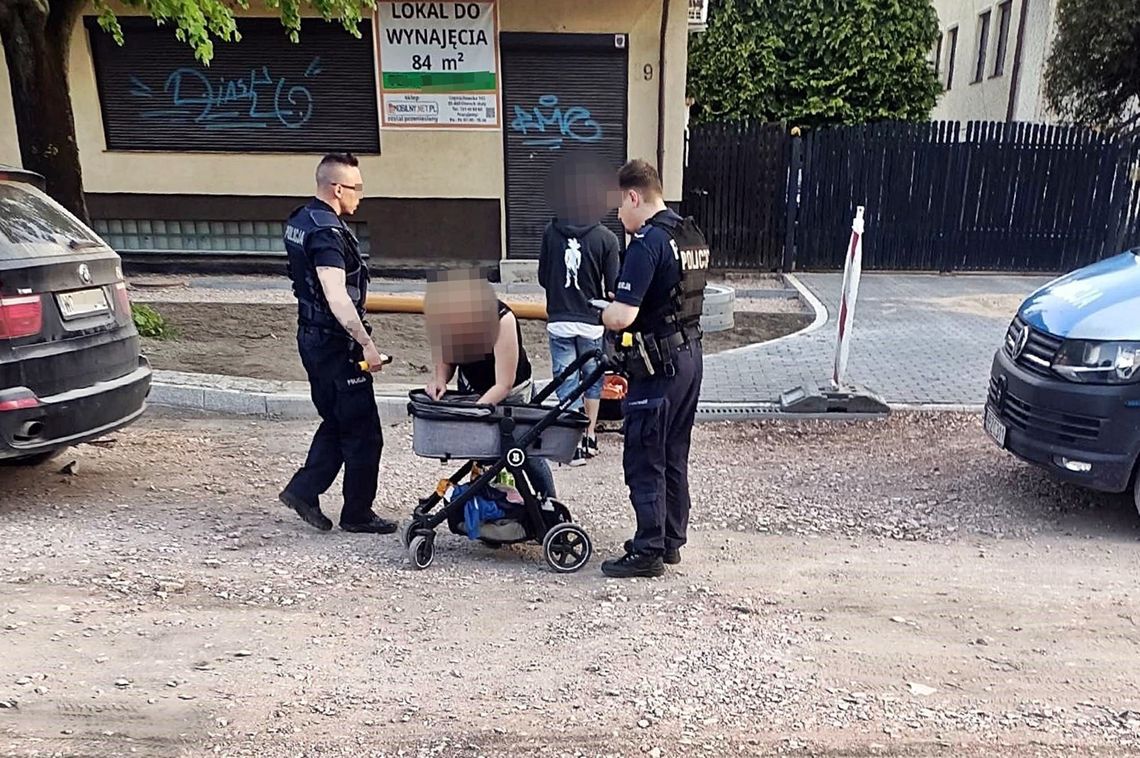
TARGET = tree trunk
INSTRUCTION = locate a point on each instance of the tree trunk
(37, 42)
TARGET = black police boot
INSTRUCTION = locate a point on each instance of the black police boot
(310, 513)
(634, 564)
(672, 556)
(374, 525)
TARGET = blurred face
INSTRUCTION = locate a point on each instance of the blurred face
(462, 316)
(348, 188)
(580, 190)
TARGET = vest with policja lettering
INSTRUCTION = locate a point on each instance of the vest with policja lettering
(682, 311)
(313, 309)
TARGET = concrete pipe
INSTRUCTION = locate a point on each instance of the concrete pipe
(415, 304)
(715, 317)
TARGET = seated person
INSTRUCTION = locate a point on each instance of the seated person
(474, 333)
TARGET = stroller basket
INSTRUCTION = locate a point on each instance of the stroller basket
(458, 427)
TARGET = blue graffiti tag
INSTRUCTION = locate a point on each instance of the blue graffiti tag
(575, 123)
(255, 101)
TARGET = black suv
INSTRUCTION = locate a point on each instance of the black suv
(70, 368)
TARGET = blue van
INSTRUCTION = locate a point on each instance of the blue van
(1065, 387)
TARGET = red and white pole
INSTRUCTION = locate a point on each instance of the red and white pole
(852, 270)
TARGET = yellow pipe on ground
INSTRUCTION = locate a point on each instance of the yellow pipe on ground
(377, 303)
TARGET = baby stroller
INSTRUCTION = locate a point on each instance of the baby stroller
(494, 439)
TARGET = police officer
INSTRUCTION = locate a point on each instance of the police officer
(656, 317)
(330, 282)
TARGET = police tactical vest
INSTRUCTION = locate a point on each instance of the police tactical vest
(313, 308)
(691, 252)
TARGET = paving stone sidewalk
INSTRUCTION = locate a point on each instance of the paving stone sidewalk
(917, 339)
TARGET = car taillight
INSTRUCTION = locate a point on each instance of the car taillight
(15, 400)
(21, 316)
(122, 299)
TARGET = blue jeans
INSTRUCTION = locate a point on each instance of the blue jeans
(566, 350)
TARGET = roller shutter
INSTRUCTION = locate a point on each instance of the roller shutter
(262, 94)
(561, 93)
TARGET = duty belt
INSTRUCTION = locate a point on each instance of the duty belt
(679, 338)
(313, 317)
(647, 355)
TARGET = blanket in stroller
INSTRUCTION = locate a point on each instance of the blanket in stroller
(492, 504)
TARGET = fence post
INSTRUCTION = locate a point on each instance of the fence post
(795, 167)
(1122, 196)
(957, 180)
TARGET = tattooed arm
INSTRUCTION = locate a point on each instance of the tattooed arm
(333, 283)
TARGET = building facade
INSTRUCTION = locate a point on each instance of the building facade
(456, 109)
(991, 58)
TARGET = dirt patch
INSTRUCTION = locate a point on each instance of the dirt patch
(258, 341)
(990, 306)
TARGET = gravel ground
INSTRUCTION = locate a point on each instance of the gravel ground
(895, 588)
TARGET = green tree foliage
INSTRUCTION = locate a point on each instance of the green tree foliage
(1093, 72)
(199, 22)
(815, 62)
(36, 36)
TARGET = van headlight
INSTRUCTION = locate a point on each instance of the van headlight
(1099, 362)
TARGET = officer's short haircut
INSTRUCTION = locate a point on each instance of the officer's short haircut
(330, 162)
(641, 176)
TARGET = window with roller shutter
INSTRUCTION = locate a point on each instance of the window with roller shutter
(561, 93)
(261, 94)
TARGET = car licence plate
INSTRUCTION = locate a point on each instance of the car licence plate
(995, 428)
(82, 303)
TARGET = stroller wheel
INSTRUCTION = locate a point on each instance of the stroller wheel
(421, 551)
(566, 548)
(406, 534)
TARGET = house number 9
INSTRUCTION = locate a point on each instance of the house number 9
(648, 71)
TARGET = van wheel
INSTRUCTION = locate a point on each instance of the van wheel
(32, 460)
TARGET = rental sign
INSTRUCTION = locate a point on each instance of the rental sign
(438, 64)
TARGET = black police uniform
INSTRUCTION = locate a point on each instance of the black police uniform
(349, 434)
(664, 275)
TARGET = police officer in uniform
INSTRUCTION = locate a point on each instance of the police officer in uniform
(655, 321)
(330, 282)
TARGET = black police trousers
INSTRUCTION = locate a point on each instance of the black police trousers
(349, 434)
(659, 414)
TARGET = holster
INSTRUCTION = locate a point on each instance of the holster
(631, 356)
(647, 356)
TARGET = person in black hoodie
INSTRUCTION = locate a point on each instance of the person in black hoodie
(579, 262)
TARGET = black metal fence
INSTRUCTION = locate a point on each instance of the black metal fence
(736, 185)
(942, 196)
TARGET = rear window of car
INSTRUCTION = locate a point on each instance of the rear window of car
(28, 217)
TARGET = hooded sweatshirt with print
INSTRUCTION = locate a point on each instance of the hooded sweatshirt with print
(578, 263)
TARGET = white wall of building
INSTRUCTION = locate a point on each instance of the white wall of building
(987, 98)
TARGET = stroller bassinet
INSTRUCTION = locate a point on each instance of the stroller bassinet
(458, 427)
